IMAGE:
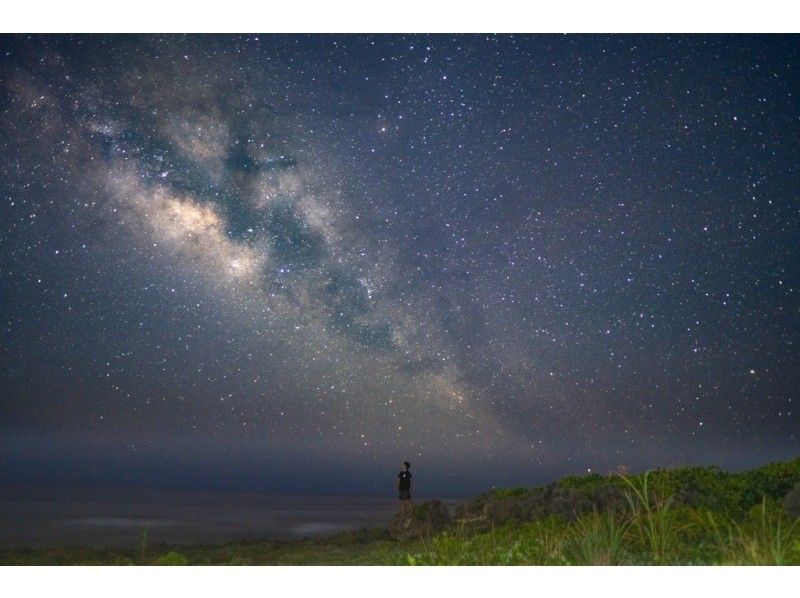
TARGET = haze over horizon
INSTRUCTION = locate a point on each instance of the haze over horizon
(287, 263)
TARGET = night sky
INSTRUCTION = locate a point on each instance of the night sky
(287, 263)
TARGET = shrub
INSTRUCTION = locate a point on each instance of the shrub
(545, 542)
(506, 492)
(582, 482)
(608, 498)
(422, 521)
(172, 558)
(120, 560)
(791, 502)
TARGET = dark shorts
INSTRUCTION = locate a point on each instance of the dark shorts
(405, 495)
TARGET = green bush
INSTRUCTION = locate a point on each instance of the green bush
(791, 502)
(172, 558)
(507, 492)
(586, 482)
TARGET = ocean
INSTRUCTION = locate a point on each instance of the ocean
(117, 518)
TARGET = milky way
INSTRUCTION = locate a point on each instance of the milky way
(290, 262)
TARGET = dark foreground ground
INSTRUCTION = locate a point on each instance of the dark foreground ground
(690, 515)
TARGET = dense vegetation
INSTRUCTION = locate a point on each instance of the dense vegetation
(689, 515)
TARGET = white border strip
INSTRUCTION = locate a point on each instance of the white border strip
(391, 582)
(354, 16)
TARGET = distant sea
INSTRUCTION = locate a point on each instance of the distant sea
(116, 518)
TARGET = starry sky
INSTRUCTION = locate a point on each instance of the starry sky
(288, 262)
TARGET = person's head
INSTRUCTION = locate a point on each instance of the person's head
(406, 465)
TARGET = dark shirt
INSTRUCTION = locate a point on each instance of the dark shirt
(405, 480)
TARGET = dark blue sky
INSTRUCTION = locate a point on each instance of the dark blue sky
(290, 262)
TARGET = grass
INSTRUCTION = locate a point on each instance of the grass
(650, 519)
(633, 538)
(599, 539)
(765, 538)
(659, 522)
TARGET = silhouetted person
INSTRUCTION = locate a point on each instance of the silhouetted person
(404, 487)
